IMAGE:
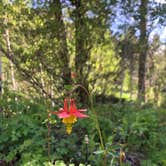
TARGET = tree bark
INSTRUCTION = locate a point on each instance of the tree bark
(14, 87)
(60, 34)
(42, 80)
(0, 74)
(7, 37)
(82, 51)
(143, 51)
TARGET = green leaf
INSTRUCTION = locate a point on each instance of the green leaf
(99, 152)
(68, 87)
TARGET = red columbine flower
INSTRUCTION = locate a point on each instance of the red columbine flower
(70, 113)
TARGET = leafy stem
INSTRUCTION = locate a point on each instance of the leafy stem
(94, 112)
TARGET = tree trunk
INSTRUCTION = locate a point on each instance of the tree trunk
(143, 51)
(0, 74)
(156, 93)
(82, 52)
(60, 34)
(12, 76)
(7, 37)
(42, 80)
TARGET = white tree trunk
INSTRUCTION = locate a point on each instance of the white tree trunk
(12, 76)
(11, 64)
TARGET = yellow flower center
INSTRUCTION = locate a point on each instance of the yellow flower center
(68, 122)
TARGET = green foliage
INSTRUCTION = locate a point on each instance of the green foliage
(104, 63)
(23, 139)
(22, 130)
(140, 132)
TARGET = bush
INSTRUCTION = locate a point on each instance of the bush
(140, 132)
(23, 135)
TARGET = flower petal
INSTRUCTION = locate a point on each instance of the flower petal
(66, 105)
(63, 114)
(57, 112)
(82, 110)
(73, 107)
(80, 115)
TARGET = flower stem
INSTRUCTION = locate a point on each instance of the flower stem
(97, 123)
(48, 137)
(95, 118)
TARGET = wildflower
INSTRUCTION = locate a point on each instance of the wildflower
(70, 113)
